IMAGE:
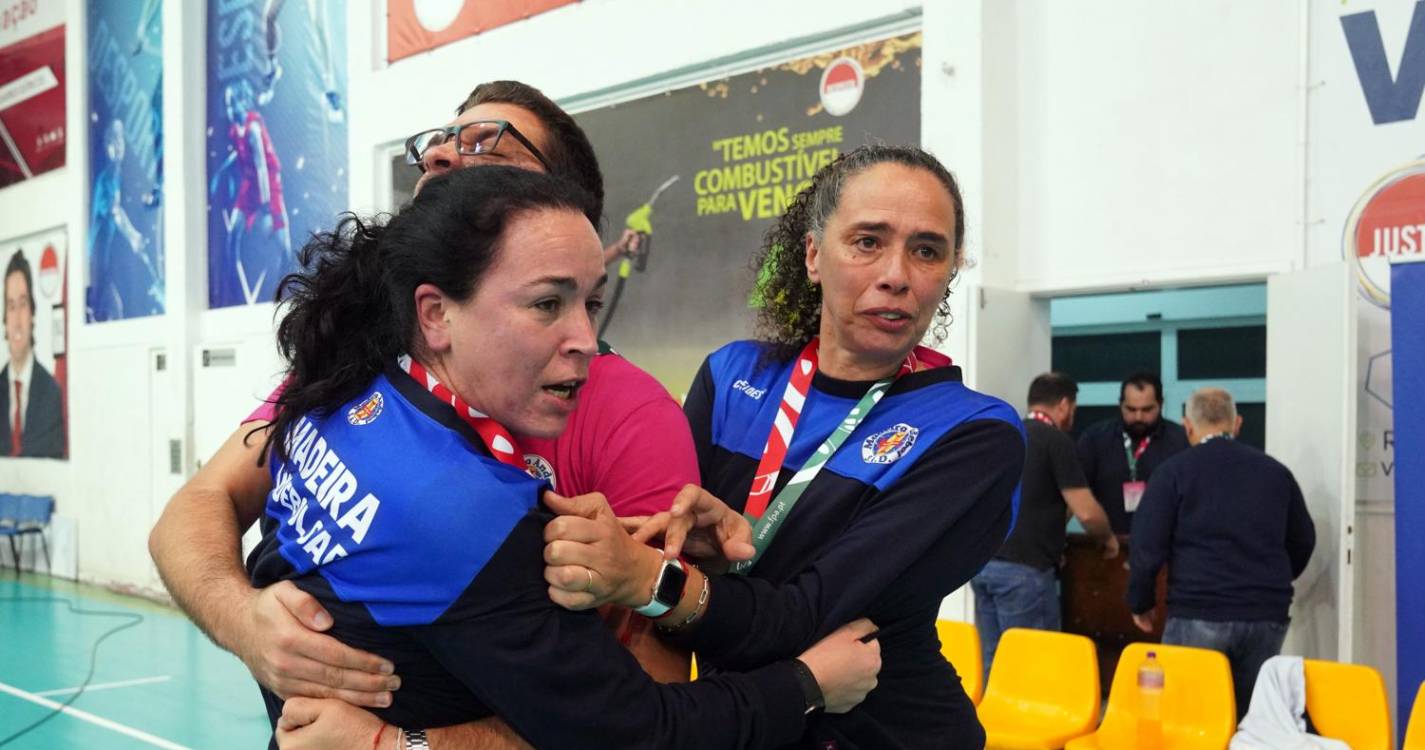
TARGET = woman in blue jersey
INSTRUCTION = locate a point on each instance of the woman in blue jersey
(418, 350)
(876, 483)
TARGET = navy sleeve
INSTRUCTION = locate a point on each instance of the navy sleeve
(698, 408)
(929, 533)
(1152, 538)
(1300, 530)
(561, 679)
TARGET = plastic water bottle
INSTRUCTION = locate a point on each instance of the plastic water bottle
(1150, 703)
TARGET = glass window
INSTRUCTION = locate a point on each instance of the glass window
(1107, 357)
(1254, 424)
(1217, 353)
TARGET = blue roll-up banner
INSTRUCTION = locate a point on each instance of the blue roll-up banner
(1407, 325)
(277, 152)
(124, 246)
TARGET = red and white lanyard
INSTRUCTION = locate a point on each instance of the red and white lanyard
(790, 411)
(1134, 454)
(1040, 416)
(501, 443)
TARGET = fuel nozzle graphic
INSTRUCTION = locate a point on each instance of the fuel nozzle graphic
(640, 222)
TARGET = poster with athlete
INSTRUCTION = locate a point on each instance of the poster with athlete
(276, 138)
(32, 76)
(703, 171)
(34, 376)
(124, 245)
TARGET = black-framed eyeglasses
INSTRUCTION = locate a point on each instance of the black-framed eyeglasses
(471, 138)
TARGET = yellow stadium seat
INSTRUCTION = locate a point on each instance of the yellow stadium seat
(1347, 702)
(1043, 691)
(1199, 711)
(960, 643)
(1415, 731)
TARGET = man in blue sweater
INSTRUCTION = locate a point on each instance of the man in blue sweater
(1231, 524)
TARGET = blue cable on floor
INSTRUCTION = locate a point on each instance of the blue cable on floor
(133, 620)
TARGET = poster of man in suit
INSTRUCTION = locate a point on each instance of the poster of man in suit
(32, 380)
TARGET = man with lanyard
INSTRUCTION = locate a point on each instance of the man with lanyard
(1233, 521)
(1119, 455)
(1019, 588)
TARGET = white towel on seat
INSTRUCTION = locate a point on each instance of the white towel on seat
(1274, 720)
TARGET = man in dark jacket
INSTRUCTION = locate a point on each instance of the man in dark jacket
(1232, 525)
(1120, 455)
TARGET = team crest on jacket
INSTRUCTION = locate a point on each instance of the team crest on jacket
(539, 468)
(367, 411)
(888, 446)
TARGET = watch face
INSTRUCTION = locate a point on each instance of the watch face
(671, 583)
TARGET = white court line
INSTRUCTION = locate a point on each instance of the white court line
(107, 685)
(91, 718)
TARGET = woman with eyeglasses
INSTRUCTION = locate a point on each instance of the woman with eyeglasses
(418, 350)
(875, 482)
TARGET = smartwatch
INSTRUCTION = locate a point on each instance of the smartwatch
(667, 590)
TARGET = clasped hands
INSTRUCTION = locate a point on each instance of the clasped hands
(594, 558)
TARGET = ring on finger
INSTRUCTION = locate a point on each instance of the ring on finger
(590, 587)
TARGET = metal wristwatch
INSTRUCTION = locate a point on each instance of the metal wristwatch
(416, 739)
(667, 590)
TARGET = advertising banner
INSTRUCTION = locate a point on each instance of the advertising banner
(34, 379)
(705, 170)
(1407, 314)
(277, 138)
(414, 26)
(124, 276)
(31, 89)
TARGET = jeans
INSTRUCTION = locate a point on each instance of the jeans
(1246, 645)
(1010, 595)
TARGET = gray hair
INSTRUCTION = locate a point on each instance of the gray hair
(1211, 406)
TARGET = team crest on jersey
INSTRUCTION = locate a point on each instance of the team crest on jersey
(367, 411)
(889, 445)
(539, 468)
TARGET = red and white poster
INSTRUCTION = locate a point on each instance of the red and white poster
(31, 88)
(415, 26)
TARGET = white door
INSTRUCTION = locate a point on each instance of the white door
(1008, 344)
(1311, 427)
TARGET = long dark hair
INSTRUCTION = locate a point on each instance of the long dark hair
(789, 313)
(350, 311)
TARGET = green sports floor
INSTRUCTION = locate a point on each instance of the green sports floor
(159, 683)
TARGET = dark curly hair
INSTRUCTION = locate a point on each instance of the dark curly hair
(789, 313)
(350, 310)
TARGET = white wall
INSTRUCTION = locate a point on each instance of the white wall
(1158, 142)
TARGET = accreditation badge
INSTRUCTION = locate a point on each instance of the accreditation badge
(1132, 495)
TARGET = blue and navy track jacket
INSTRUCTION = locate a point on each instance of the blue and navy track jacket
(914, 503)
(429, 552)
